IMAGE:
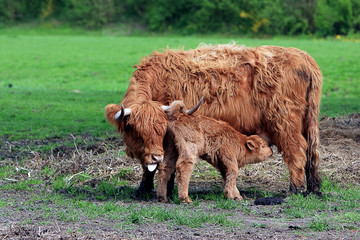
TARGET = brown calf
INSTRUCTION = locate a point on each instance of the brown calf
(212, 140)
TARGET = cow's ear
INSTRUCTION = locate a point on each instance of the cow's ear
(250, 145)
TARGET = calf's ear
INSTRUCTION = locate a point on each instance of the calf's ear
(250, 145)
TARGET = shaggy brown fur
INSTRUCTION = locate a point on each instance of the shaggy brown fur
(269, 90)
(212, 140)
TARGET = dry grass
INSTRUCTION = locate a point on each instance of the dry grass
(340, 150)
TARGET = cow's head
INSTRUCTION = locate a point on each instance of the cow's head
(143, 127)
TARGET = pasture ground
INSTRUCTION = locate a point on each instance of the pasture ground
(84, 192)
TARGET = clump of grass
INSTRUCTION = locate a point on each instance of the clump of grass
(4, 203)
(319, 224)
(178, 216)
(259, 225)
(224, 203)
(67, 216)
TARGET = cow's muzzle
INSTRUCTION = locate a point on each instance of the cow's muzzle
(155, 159)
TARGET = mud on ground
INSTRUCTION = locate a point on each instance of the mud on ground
(340, 149)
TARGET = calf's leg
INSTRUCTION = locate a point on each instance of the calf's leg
(184, 168)
(229, 171)
(167, 171)
(230, 189)
(165, 179)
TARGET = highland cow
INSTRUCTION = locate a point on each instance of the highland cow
(269, 91)
(212, 140)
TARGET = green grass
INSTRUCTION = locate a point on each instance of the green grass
(3, 203)
(338, 208)
(319, 224)
(21, 185)
(61, 81)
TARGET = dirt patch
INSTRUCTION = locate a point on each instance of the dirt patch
(103, 159)
(58, 147)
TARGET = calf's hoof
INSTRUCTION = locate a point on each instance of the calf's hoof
(185, 199)
(234, 194)
(238, 198)
(161, 199)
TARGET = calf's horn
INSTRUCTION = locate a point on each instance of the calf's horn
(119, 116)
(191, 111)
(165, 108)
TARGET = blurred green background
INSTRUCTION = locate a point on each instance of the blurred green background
(63, 61)
(270, 17)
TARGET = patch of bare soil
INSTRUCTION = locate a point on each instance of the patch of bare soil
(102, 159)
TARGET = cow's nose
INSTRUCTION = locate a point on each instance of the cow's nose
(157, 158)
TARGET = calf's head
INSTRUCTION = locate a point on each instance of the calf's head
(257, 149)
(143, 127)
(178, 109)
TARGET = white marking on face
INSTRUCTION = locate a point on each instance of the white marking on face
(151, 167)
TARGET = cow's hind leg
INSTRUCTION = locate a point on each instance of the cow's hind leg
(313, 179)
(290, 141)
(295, 158)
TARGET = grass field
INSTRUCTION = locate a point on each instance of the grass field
(55, 84)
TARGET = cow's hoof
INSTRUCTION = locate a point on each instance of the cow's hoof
(145, 187)
(295, 189)
(317, 194)
(143, 194)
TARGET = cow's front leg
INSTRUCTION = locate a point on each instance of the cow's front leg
(147, 182)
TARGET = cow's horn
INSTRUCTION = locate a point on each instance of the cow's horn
(191, 111)
(119, 116)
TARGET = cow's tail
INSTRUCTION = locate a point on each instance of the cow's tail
(311, 128)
